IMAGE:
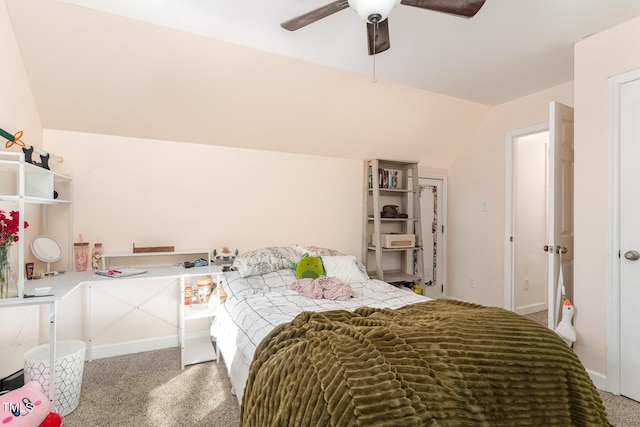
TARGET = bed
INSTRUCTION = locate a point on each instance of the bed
(388, 356)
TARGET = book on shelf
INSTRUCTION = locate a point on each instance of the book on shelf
(387, 178)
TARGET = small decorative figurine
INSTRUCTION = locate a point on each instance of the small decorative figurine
(565, 328)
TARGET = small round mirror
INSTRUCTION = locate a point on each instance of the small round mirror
(46, 249)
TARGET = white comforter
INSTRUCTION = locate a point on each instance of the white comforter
(257, 304)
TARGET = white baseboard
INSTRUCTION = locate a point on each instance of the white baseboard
(531, 308)
(130, 347)
(138, 346)
(599, 380)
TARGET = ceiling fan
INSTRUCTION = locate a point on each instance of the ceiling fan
(376, 12)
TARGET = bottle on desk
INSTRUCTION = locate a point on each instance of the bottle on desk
(205, 288)
(96, 256)
(188, 295)
(81, 256)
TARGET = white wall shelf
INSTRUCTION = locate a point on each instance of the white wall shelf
(109, 257)
(23, 183)
(390, 182)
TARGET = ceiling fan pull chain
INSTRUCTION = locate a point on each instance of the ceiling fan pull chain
(374, 79)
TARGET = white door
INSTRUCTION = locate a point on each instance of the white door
(432, 202)
(560, 208)
(630, 238)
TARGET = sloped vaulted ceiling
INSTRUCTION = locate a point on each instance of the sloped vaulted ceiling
(99, 72)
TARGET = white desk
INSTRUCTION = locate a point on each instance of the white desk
(63, 284)
(162, 272)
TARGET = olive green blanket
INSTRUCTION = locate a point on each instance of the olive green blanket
(434, 363)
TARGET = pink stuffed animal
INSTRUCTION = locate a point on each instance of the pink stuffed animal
(27, 406)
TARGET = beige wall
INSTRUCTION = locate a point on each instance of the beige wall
(17, 108)
(597, 58)
(17, 112)
(476, 238)
(151, 193)
(192, 196)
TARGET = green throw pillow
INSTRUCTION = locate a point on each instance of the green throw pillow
(309, 267)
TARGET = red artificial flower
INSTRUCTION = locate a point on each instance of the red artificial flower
(9, 227)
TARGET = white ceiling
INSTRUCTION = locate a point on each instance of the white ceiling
(509, 49)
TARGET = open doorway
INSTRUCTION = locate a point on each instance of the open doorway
(530, 222)
(523, 251)
(527, 181)
(433, 202)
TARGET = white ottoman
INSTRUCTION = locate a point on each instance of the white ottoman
(69, 369)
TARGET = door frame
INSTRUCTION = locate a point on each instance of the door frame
(509, 142)
(443, 222)
(613, 227)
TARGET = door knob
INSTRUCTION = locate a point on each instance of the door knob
(632, 255)
(562, 250)
(546, 248)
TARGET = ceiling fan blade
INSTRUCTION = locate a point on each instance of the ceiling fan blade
(378, 37)
(315, 15)
(467, 8)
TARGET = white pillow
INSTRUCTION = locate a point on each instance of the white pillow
(318, 251)
(344, 268)
(315, 251)
(265, 260)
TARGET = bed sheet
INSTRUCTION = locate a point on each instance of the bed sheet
(257, 304)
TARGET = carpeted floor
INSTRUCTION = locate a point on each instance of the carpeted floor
(149, 389)
(622, 412)
(539, 316)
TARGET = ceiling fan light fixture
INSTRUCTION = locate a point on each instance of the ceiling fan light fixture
(373, 11)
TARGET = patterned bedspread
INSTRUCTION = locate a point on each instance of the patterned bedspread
(257, 304)
(433, 363)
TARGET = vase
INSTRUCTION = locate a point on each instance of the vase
(7, 277)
